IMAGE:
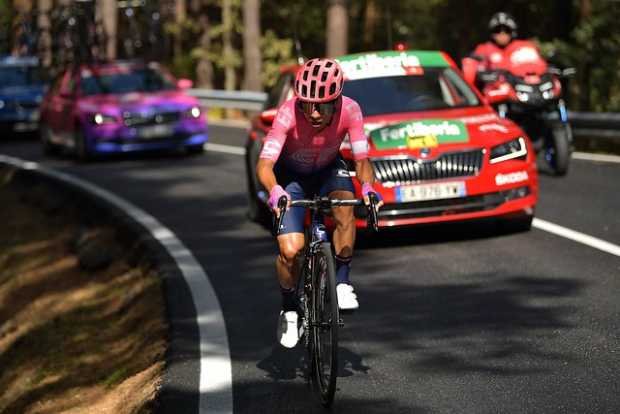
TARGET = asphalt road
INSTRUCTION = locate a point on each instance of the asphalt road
(453, 319)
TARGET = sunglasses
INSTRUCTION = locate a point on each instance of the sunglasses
(502, 29)
(325, 108)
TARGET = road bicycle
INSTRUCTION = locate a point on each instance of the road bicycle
(316, 291)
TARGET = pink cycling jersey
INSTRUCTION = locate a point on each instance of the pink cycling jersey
(296, 142)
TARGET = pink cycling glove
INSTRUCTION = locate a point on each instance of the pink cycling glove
(367, 188)
(275, 194)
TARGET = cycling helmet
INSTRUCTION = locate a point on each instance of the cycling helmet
(319, 81)
(503, 19)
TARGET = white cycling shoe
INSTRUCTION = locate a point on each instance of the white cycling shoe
(347, 299)
(288, 331)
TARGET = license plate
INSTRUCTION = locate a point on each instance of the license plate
(24, 126)
(155, 131)
(422, 192)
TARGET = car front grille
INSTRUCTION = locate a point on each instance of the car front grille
(27, 105)
(407, 170)
(137, 119)
(445, 207)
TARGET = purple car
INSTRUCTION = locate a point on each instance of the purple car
(121, 107)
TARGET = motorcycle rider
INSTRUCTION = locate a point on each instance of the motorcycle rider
(502, 30)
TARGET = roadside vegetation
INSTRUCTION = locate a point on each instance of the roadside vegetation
(241, 44)
(81, 312)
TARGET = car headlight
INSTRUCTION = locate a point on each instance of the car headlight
(193, 112)
(514, 149)
(100, 119)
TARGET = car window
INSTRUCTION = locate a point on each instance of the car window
(280, 92)
(19, 75)
(135, 80)
(436, 88)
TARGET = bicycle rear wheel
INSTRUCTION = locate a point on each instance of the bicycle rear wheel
(325, 324)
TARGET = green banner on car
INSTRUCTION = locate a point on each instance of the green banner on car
(389, 63)
(426, 133)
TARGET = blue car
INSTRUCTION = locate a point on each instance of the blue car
(21, 93)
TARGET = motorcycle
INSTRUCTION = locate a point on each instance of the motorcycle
(529, 92)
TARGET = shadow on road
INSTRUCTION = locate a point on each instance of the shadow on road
(491, 321)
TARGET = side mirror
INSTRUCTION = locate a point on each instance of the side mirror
(184, 83)
(267, 117)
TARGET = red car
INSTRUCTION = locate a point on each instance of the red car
(439, 151)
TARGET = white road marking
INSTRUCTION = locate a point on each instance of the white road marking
(215, 366)
(596, 157)
(228, 149)
(236, 150)
(538, 223)
(577, 236)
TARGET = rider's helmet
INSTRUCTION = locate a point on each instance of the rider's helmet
(319, 81)
(502, 19)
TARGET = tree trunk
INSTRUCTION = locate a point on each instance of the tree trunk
(204, 68)
(21, 27)
(230, 78)
(585, 13)
(251, 45)
(109, 17)
(45, 35)
(371, 18)
(180, 13)
(337, 28)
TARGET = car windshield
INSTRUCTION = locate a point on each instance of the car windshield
(18, 76)
(136, 80)
(437, 88)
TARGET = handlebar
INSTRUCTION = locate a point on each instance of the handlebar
(320, 203)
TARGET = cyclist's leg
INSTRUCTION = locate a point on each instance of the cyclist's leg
(290, 244)
(338, 184)
(291, 240)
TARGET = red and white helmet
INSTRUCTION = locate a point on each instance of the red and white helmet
(319, 80)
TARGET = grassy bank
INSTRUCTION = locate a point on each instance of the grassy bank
(81, 313)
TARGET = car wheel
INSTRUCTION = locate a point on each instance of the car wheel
(81, 146)
(49, 148)
(257, 211)
(195, 149)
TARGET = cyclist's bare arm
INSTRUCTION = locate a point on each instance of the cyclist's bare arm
(364, 171)
(264, 172)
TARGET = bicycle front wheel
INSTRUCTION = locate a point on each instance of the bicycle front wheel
(325, 324)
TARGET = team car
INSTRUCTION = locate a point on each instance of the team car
(440, 153)
(120, 107)
(21, 91)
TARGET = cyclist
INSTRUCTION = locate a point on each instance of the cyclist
(300, 159)
(502, 30)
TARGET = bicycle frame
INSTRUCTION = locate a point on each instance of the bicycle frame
(315, 235)
(312, 289)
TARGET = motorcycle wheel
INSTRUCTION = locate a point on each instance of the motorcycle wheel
(559, 149)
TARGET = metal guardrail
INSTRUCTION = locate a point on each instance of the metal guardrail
(247, 100)
(595, 124)
(585, 124)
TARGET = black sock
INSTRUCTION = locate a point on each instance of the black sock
(343, 267)
(289, 299)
